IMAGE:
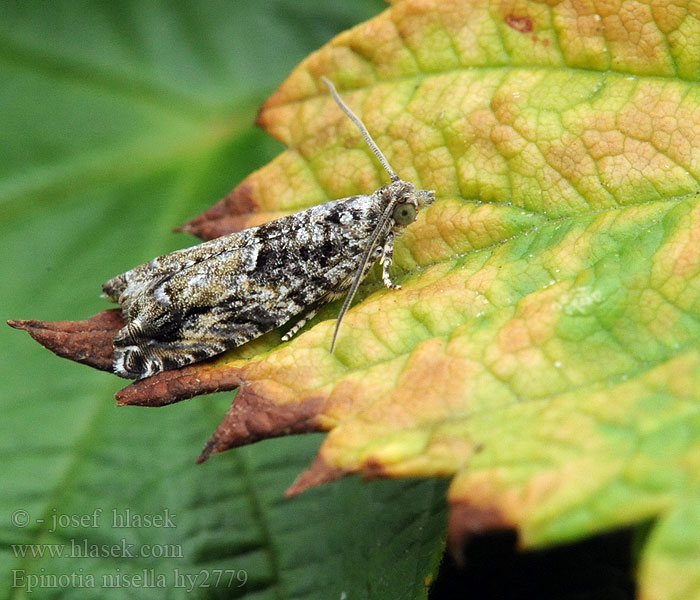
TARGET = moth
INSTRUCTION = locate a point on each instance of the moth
(195, 303)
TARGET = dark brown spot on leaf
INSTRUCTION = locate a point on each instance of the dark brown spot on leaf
(523, 24)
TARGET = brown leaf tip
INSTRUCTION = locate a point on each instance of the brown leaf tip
(88, 342)
(230, 214)
(317, 474)
(168, 387)
(253, 417)
(467, 520)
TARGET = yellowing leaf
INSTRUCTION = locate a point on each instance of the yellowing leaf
(544, 350)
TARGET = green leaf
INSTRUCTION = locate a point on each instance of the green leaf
(118, 123)
(544, 349)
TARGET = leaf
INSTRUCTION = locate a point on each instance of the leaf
(544, 349)
(118, 122)
(88, 341)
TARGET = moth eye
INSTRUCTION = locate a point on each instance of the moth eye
(404, 214)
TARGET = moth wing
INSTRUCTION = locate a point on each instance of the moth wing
(198, 302)
(126, 286)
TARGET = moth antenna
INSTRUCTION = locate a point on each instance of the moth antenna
(360, 271)
(363, 130)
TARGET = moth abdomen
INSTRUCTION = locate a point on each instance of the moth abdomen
(137, 362)
(131, 333)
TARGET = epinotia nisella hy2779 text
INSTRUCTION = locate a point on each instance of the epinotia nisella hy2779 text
(195, 303)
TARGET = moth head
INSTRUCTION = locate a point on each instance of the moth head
(407, 201)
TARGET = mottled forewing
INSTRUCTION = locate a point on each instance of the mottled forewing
(198, 302)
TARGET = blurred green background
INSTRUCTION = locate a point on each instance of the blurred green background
(119, 121)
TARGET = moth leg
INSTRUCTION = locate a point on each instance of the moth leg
(387, 254)
(300, 323)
